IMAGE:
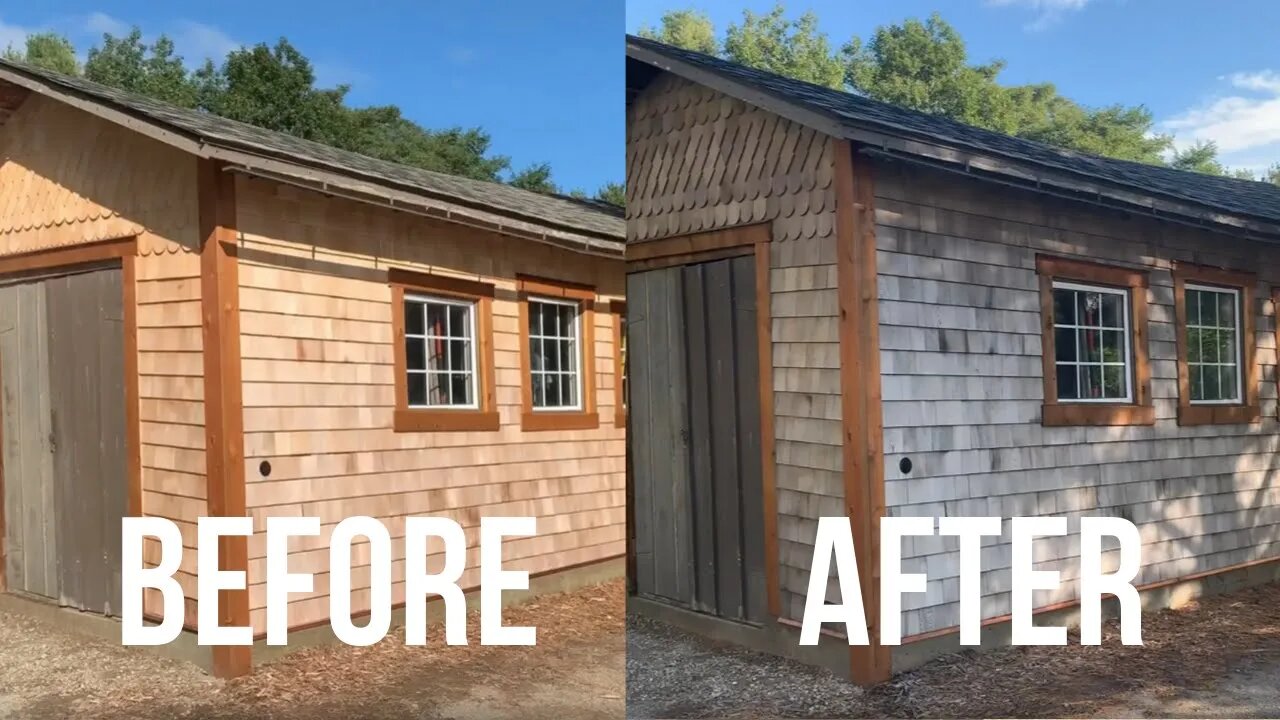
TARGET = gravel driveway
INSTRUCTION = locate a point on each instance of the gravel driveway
(1219, 657)
(575, 671)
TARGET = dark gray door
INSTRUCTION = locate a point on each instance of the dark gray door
(87, 396)
(694, 437)
(62, 405)
(30, 563)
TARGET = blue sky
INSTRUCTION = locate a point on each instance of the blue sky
(544, 78)
(1207, 70)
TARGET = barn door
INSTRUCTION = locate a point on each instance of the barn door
(62, 465)
(26, 463)
(695, 437)
(86, 373)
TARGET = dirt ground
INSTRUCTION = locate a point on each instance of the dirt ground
(1219, 657)
(575, 671)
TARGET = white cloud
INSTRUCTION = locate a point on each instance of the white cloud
(1048, 12)
(100, 23)
(1244, 121)
(197, 42)
(14, 35)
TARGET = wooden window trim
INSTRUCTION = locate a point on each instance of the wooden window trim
(1138, 412)
(618, 309)
(1248, 410)
(587, 418)
(482, 418)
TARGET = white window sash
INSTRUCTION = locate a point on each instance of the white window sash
(473, 375)
(1239, 343)
(1126, 331)
(579, 360)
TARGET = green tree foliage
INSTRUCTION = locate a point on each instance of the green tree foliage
(153, 70)
(613, 193)
(274, 87)
(925, 65)
(1273, 175)
(795, 48)
(689, 29)
(47, 50)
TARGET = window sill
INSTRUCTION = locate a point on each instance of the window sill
(620, 419)
(1218, 414)
(414, 420)
(1055, 415)
(554, 420)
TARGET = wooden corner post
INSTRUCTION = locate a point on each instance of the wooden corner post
(223, 399)
(863, 425)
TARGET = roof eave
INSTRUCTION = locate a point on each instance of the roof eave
(249, 156)
(889, 137)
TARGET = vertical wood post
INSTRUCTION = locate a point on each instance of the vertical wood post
(861, 412)
(223, 400)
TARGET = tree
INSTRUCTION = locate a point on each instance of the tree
(50, 51)
(1201, 157)
(613, 193)
(151, 70)
(535, 178)
(794, 48)
(1273, 175)
(688, 29)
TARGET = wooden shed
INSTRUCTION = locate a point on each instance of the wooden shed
(839, 307)
(199, 317)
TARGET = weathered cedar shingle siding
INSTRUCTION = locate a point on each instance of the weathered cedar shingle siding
(698, 160)
(961, 366)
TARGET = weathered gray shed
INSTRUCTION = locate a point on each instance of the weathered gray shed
(948, 322)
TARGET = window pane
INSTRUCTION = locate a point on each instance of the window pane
(539, 390)
(1091, 381)
(1090, 346)
(1226, 346)
(567, 356)
(1113, 381)
(1195, 375)
(551, 354)
(1193, 345)
(415, 353)
(413, 317)
(460, 321)
(417, 389)
(1227, 310)
(553, 390)
(1064, 307)
(535, 355)
(1227, 382)
(460, 388)
(1211, 388)
(459, 355)
(550, 325)
(435, 354)
(1087, 306)
(1068, 388)
(570, 390)
(1064, 344)
(1112, 346)
(1112, 310)
(1208, 309)
(437, 317)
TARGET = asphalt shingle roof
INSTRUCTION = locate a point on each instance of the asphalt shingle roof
(584, 216)
(1230, 195)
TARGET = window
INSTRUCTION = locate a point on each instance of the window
(1094, 342)
(1217, 380)
(619, 310)
(443, 353)
(1091, 343)
(557, 355)
(554, 342)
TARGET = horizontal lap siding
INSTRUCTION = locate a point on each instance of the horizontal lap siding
(961, 372)
(697, 161)
(319, 395)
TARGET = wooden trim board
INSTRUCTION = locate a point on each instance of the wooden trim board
(1138, 412)
(223, 396)
(75, 255)
(587, 418)
(742, 236)
(416, 419)
(768, 442)
(132, 402)
(618, 309)
(861, 412)
(4, 532)
(1248, 410)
